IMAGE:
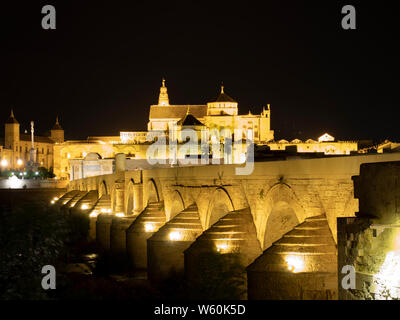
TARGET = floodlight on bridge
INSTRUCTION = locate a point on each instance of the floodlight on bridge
(295, 263)
(149, 227)
(175, 236)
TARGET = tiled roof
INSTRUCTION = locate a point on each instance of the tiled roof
(223, 97)
(177, 111)
(190, 120)
(27, 137)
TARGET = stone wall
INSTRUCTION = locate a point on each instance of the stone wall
(370, 243)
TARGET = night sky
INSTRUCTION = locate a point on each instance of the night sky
(101, 69)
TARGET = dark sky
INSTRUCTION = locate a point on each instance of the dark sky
(101, 69)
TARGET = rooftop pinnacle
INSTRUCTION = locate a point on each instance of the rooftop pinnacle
(163, 99)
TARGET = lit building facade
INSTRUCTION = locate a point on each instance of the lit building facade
(212, 123)
(15, 153)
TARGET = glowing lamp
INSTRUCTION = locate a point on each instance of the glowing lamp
(222, 247)
(14, 182)
(52, 202)
(103, 210)
(55, 198)
(119, 214)
(175, 236)
(4, 163)
(84, 206)
(20, 162)
(295, 263)
(149, 227)
(94, 214)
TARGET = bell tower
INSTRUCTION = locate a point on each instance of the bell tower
(11, 132)
(163, 97)
(57, 132)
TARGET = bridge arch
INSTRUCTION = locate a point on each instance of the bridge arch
(220, 204)
(282, 212)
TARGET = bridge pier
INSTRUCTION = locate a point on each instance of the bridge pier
(103, 205)
(118, 204)
(65, 198)
(81, 210)
(103, 226)
(69, 204)
(146, 224)
(165, 248)
(118, 228)
(302, 265)
(230, 244)
(138, 198)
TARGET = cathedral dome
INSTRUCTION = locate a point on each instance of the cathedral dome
(223, 97)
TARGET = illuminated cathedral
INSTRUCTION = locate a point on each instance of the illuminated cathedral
(212, 122)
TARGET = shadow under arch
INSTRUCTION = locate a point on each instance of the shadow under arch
(282, 213)
(130, 205)
(152, 192)
(103, 190)
(220, 204)
(177, 205)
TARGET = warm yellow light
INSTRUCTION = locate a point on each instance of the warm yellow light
(84, 154)
(14, 182)
(84, 206)
(20, 162)
(68, 155)
(65, 202)
(222, 247)
(4, 163)
(109, 210)
(119, 214)
(103, 210)
(55, 198)
(52, 201)
(326, 138)
(94, 214)
(149, 227)
(387, 280)
(295, 263)
(175, 236)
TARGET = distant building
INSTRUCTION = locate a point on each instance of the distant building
(325, 144)
(15, 151)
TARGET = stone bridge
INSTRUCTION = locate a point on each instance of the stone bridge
(280, 220)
